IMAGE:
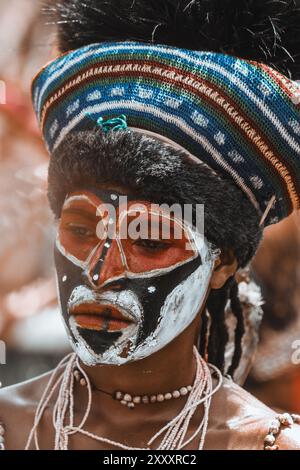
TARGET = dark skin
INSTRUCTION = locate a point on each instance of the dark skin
(237, 420)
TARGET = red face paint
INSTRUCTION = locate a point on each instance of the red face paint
(162, 244)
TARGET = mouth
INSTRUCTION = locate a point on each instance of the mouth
(100, 317)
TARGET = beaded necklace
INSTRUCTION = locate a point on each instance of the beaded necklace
(171, 436)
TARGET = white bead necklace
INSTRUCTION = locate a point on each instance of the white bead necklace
(172, 435)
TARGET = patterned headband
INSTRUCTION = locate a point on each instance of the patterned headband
(240, 118)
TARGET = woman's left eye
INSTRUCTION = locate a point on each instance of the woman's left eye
(151, 244)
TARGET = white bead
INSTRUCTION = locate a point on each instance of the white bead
(270, 440)
(83, 382)
(160, 398)
(137, 400)
(168, 396)
(127, 397)
(176, 394)
(124, 402)
(77, 375)
(119, 396)
(153, 398)
(296, 418)
(274, 429)
(183, 391)
(272, 447)
(275, 423)
(190, 388)
(145, 399)
(286, 419)
(130, 405)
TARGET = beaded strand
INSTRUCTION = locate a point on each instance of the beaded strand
(173, 432)
(279, 422)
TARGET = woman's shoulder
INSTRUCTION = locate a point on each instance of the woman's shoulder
(237, 419)
(22, 394)
(18, 404)
(246, 423)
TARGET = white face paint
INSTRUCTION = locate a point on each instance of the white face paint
(178, 311)
(122, 312)
(127, 302)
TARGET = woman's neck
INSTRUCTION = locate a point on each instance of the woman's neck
(167, 370)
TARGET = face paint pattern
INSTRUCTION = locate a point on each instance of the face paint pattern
(121, 300)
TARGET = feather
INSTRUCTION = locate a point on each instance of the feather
(266, 31)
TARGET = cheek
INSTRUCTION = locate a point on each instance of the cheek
(178, 299)
(74, 246)
(186, 300)
(68, 275)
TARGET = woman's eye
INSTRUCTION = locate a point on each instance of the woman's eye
(151, 244)
(80, 230)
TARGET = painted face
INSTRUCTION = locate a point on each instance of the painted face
(130, 277)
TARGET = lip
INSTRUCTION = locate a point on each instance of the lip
(100, 317)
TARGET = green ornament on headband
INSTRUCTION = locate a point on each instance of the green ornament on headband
(114, 124)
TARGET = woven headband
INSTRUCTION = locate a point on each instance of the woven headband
(240, 118)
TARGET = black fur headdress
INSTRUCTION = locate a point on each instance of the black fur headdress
(261, 30)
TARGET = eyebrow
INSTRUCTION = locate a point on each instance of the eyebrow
(80, 211)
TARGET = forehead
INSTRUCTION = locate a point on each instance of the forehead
(92, 200)
(93, 197)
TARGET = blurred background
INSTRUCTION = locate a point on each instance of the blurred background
(29, 319)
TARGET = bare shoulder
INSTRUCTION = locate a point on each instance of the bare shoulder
(22, 396)
(289, 438)
(17, 409)
(240, 421)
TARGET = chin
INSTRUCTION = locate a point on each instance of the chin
(102, 347)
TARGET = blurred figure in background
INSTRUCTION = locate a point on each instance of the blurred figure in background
(26, 274)
(275, 377)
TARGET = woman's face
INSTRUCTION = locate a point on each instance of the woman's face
(131, 275)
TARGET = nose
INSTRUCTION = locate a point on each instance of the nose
(106, 265)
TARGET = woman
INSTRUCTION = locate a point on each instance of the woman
(134, 118)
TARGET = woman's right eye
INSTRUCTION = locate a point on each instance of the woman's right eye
(80, 230)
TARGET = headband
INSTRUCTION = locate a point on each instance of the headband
(239, 117)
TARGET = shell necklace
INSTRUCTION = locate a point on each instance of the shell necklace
(173, 435)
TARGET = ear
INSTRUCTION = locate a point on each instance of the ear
(226, 266)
